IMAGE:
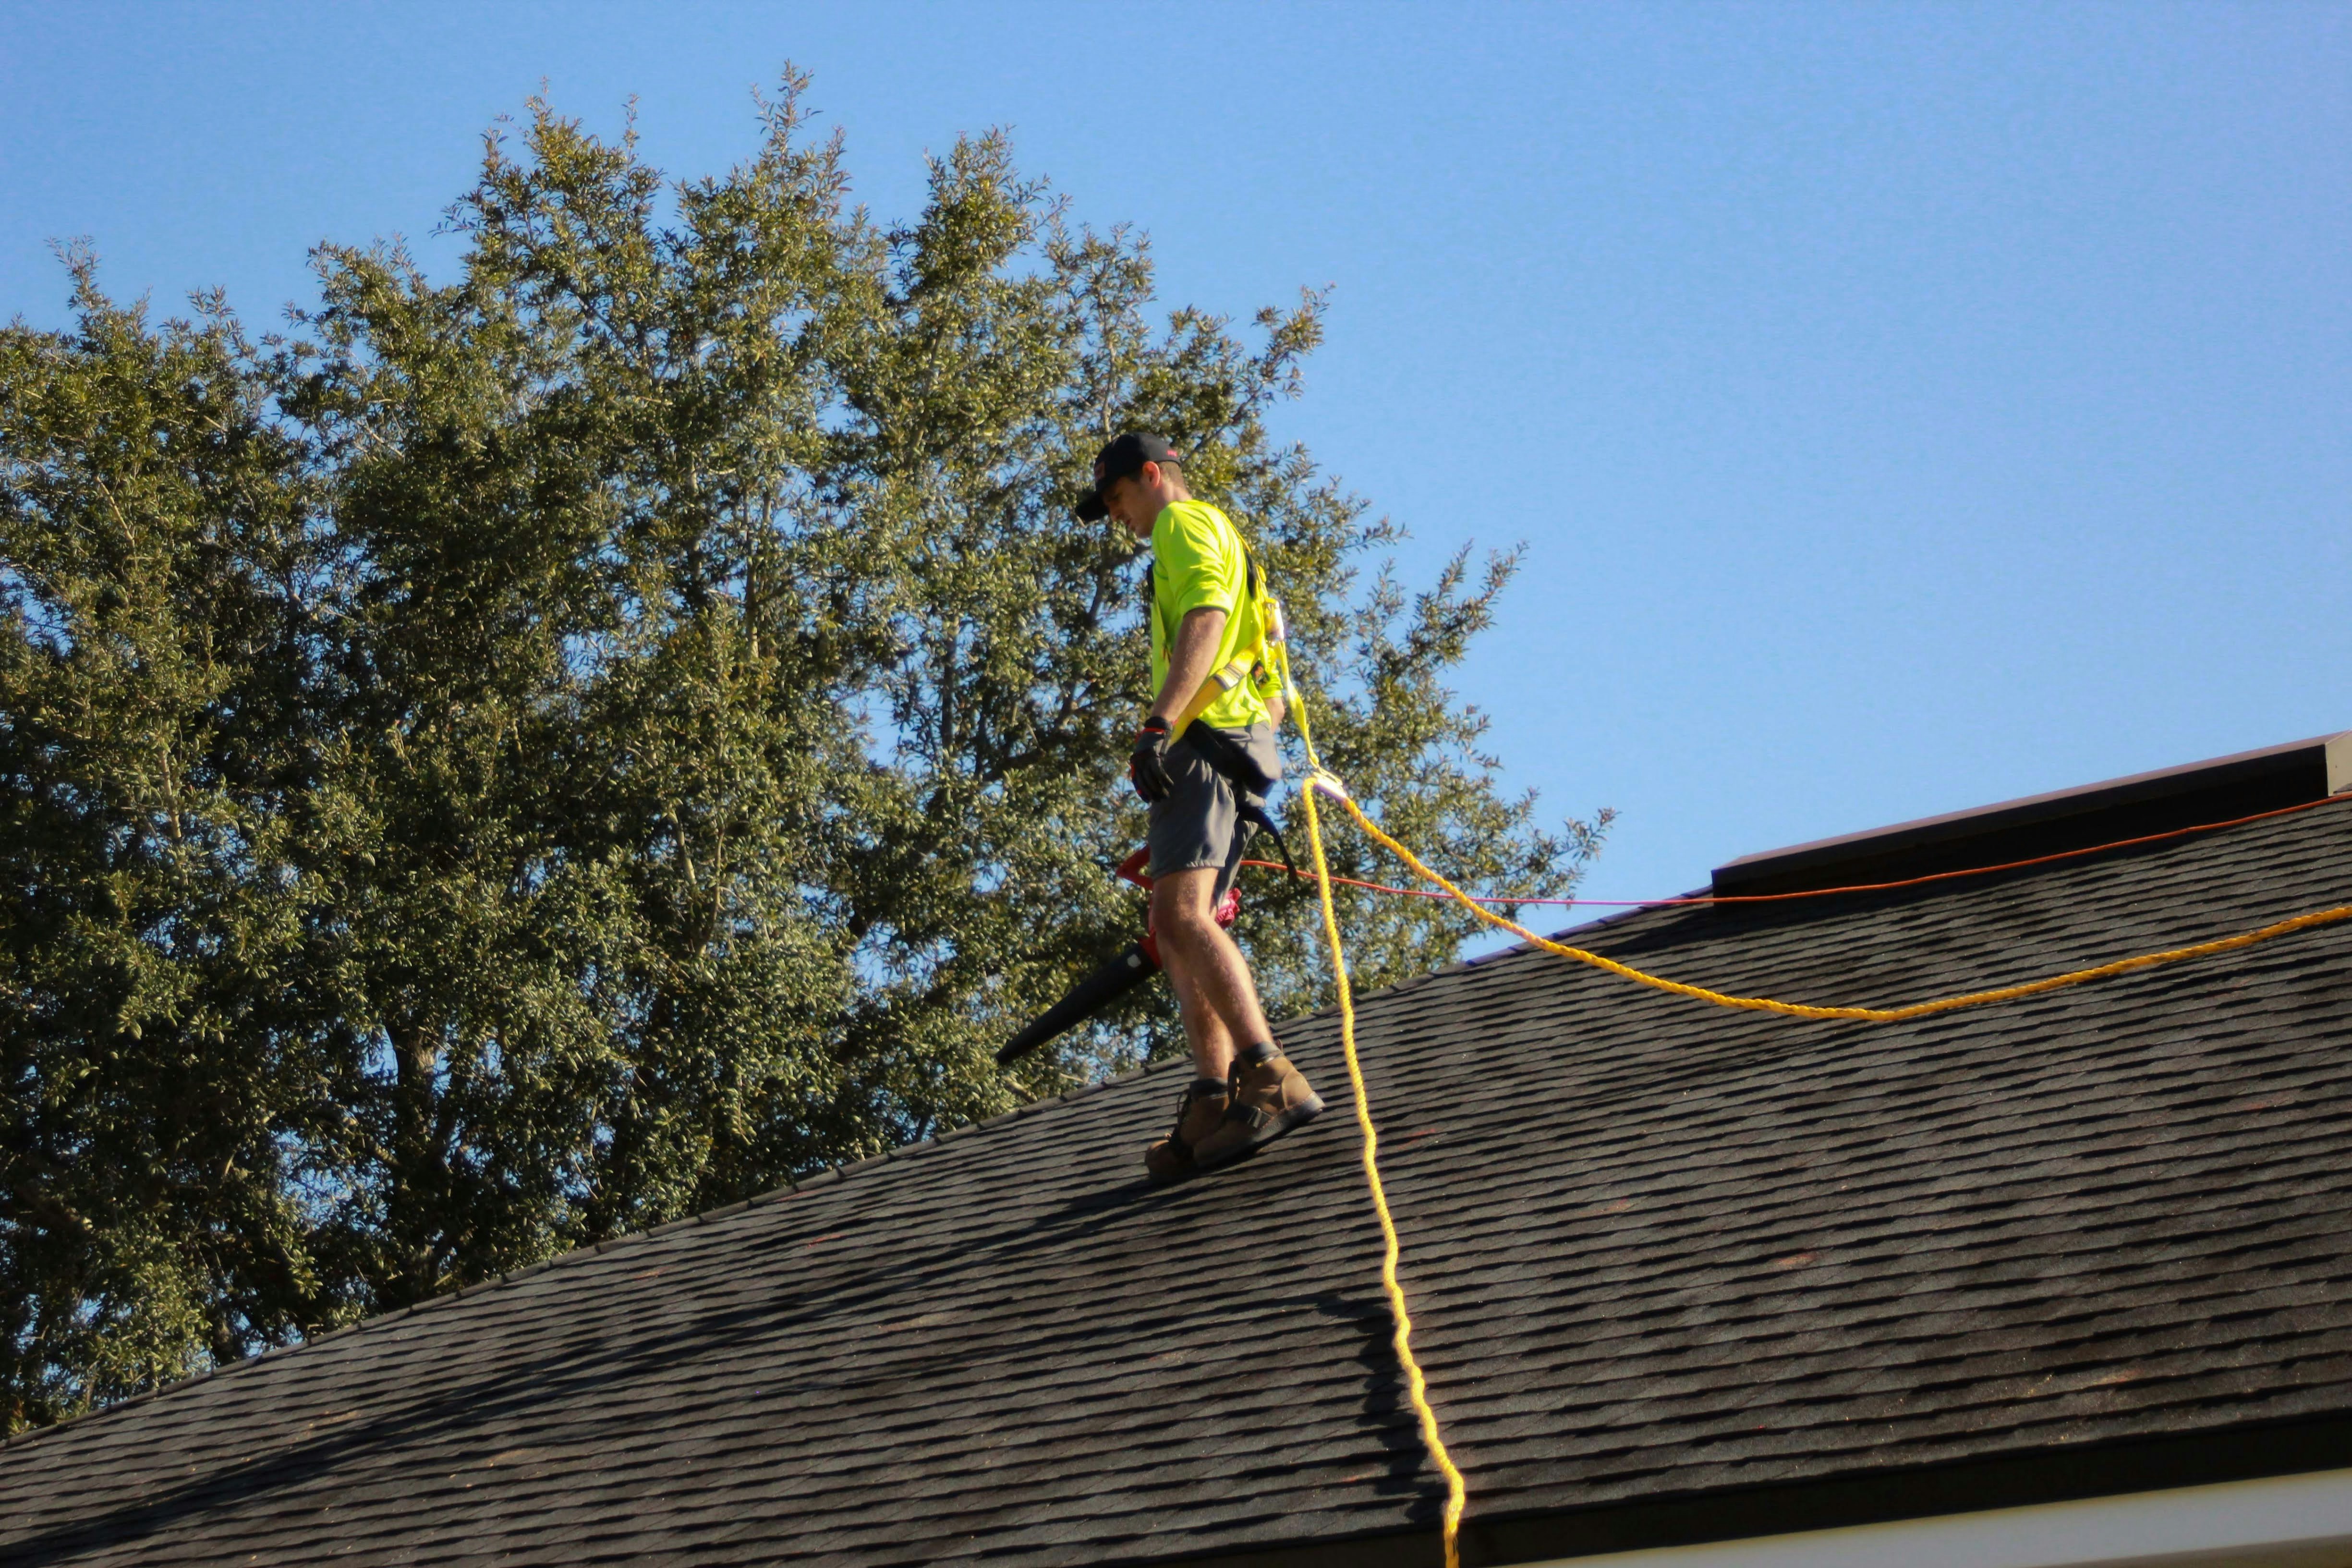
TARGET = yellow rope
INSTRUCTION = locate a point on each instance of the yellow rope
(1799, 1009)
(1416, 1385)
(1321, 781)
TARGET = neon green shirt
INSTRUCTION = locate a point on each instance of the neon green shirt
(1198, 561)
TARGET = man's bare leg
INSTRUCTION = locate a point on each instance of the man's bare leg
(1231, 1045)
(1213, 988)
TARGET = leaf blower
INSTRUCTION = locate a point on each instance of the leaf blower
(1120, 974)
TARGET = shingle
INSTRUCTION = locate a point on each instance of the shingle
(1654, 1249)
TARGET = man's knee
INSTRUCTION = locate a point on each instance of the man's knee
(1181, 906)
(1185, 923)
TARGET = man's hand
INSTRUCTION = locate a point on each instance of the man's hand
(1147, 766)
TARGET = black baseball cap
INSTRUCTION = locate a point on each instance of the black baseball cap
(1125, 456)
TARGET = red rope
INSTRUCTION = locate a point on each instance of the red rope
(1823, 892)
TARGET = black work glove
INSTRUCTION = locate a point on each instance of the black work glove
(1147, 766)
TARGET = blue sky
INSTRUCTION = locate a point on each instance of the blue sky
(1904, 407)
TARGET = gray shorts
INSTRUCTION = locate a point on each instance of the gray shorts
(1197, 825)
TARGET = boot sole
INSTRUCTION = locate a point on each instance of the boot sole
(1297, 1115)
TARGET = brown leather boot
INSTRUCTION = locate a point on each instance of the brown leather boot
(1270, 1099)
(1201, 1112)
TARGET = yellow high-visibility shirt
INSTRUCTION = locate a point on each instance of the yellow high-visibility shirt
(1198, 561)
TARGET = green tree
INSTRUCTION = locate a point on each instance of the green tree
(530, 756)
(154, 561)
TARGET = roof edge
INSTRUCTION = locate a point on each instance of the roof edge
(2056, 1471)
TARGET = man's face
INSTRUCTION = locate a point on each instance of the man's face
(1135, 500)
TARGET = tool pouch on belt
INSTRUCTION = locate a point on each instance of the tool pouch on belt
(1251, 782)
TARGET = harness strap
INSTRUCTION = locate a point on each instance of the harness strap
(1256, 663)
(1258, 816)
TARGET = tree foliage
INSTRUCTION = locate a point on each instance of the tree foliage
(520, 759)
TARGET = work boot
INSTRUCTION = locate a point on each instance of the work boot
(1199, 1113)
(1269, 1098)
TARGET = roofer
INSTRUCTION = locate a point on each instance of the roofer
(1206, 784)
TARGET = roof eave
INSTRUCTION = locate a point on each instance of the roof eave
(2052, 1473)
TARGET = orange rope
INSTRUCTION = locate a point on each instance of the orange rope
(1814, 892)
(1332, 787)
(1416, 1385)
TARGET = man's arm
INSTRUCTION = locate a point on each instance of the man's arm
(1189, 662)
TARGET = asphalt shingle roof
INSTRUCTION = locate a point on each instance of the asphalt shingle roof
(1655, 1250)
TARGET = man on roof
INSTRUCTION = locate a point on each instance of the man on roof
(1203, 780)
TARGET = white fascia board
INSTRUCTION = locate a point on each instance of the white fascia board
(2288, 1521)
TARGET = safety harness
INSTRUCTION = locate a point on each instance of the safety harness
(1262, 665)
